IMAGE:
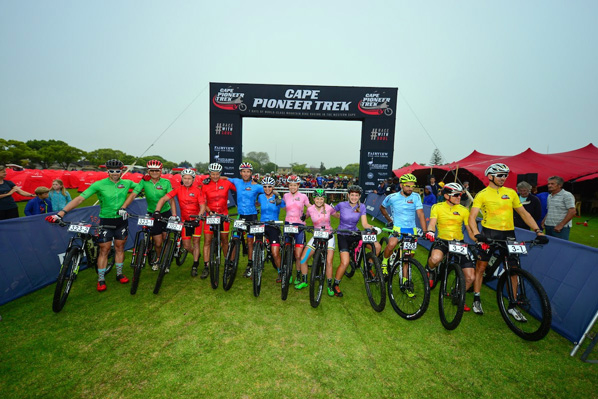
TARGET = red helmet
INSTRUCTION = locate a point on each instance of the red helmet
(154, 164)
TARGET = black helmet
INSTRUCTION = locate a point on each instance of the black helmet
(354, 189)
(114, 164)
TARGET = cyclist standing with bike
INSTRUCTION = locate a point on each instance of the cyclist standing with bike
(270, 206)
(450, 216)
(155, 187)
(497, 204)
(247, 193)
(191, 202)
(350, 213)
(405, 206)
(112, 193)
(215, 190)
(296, 202)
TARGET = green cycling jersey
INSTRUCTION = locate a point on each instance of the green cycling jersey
(153, 193)
(112, 195)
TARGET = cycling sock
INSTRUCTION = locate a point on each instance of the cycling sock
(384, 261)
(336, 282)
(476, 297)
(329, 281)
(205, 264)
(196, 263)
(304, 278)
(306, 257)
(298, 274)
(119, 268)
(101, 273)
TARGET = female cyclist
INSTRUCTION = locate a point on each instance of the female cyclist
(270, 205)
(350, 213)
(295, 203)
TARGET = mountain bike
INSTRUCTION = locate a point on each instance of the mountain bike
(288, 257)
(82, 243)
(522, 300)
(258, 229)
(362, 254)
(317, 277)
(172, 248)
(408, 286)
(231, 261)
(143, 249)
(216, 222)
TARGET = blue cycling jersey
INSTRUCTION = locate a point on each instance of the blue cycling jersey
(269, 210)
(403, 208)
(246, 196)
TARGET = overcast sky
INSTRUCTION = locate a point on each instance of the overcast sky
(497, 77)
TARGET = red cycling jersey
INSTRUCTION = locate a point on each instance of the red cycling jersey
(190, 199)
(217, 195)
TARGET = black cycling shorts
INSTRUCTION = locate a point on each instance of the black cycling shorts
(485, 256)
(465, 261)
(273, 235)
(121, 232)
(160, 227)
(345, 241)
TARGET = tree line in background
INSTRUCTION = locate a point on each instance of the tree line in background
(46, 153)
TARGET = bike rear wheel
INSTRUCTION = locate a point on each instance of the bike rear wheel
(167, 253)
(229, 273)
(258, 267)
(214, 261)
(410, 298)
(451, 297)
(317, 278)
(374, 281)
(66, 278)
(530, 300)
(286, 270)
(139, 260)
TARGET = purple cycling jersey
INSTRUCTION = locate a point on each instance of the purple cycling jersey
(349, 215)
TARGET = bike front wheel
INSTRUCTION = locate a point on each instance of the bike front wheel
(374, 281)
(167, 253)
(139, 260)
(231, 264)
(451, 297)
(214, 261)
(317, 278)
(182, 256)
(258, 267)
(286, 270)
(66, 278)
(526, 310)
(409, 293)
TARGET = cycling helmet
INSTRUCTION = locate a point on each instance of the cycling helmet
(407, 178)
(497, 168)
(268, 181)
(293, 179)
(319, 193)
(354, 189)
(451, 188)
(188, 171)
(154, 164)
(245, 165)
(215, 167)
(114, 164)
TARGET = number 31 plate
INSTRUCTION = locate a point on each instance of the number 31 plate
(516, 248)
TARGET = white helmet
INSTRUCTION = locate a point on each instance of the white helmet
(268, 181)
(497, 168)
(215, 167)
(451, 188)
(188, 171)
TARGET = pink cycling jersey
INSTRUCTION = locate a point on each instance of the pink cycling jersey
(321, 218)
(295, 203)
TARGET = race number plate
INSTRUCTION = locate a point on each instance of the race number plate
(240, 225)
(291, 230)
(174, 226)
(149, 222)
(368, 237)
(459, 248)
(409, 245)
(257, 229)
(516, 248)
(321, 234)
(79, 228)
(213, 220)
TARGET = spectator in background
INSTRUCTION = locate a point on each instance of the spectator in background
(8, 207)
(381, 189)
(543, 197)
(531, 204)
(59, 197)
(561, 209)
(435, 188)
(429, 197)
(39, 205)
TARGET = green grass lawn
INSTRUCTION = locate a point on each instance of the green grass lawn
(192, 341)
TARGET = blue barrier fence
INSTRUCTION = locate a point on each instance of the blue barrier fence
(567, 271)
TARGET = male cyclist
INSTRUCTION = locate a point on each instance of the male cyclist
(112, 193)
(497, 204)
(450, 217)
(154, 187)
(247, 193)
(296, 202)
(216, 192)
(191, 202)
(405, 206)
(270, 206)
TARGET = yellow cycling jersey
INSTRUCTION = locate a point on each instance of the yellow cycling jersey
(497, 207)
(449, 220)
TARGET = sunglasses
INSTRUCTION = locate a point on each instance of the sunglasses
(455, 195)
(409, 185)
(114, 171)
(502, 175)
(154, 170)
(268, 186)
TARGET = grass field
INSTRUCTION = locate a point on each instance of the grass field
(192, 341)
